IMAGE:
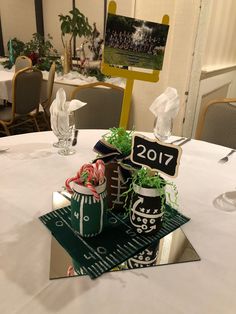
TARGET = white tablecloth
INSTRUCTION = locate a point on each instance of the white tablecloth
(31, 170)
(74, 78)
(71, 79)
(6, 84)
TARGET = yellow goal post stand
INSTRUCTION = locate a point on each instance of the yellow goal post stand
(129, 75)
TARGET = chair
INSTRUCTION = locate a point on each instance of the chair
(104, 104)
(26, 89)
(47, 102)
(22, 62)
(217, 123)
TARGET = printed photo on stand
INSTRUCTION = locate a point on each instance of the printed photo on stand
(133, 42)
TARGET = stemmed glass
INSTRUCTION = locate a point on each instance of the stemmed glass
(162, 128)
(60, 142)
(66, 135)
(57, 132)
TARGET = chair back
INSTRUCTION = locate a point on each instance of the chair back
(26, 90)
(104, 105)
(217, 124)
(50, 83)
(22, 62)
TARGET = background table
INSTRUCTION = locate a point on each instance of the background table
(6, 85)
(68, 82)
(31, 170)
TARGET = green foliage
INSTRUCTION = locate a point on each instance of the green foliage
(44, 64)
(17, 47)
(84, 177)
(40, 45)
(39, 49)
(75, 24)
(94, 72)
(120, 138)
(17, 50)
(146, 178)
(114, 56)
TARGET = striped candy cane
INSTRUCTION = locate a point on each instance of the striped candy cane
(67, 183)
(100, 166)
(90, 175)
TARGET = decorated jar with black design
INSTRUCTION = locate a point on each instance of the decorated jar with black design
(146, 258)
(146, 213)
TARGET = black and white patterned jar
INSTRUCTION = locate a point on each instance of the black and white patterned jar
(146, 258)
(146, 212)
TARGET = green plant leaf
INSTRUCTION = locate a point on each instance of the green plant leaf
(76, 24)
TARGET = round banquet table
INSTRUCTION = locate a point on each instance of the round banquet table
(31, 169)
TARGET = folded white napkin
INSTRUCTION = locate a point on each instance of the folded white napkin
(165, 107)
(60, 110)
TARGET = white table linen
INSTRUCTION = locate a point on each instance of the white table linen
(6, 84)
(74, 78)
(32, 169)
(71, 79)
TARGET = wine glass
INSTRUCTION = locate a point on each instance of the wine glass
(66, 134)
(163, 128)
(56, 132)
(59, 143)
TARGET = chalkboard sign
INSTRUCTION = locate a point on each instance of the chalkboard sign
(155, 155)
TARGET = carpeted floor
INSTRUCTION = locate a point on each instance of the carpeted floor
(29, 127)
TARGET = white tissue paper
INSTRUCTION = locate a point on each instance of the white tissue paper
(60, 110)
(165, 108)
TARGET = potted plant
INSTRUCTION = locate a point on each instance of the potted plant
(39, 49)
(148, 198)
(73, 25)
(114, 148)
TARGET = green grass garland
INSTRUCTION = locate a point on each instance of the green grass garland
(120, 138)
(147, 179)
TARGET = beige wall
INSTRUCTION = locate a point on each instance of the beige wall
(220, 48)
(18, 20)
(92, 9)
(178, 57)
(51, 10)
(125, 7)
(214, 67)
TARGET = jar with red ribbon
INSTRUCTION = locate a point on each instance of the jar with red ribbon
(89, 199)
